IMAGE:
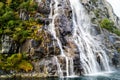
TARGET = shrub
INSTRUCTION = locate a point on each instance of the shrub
(1, 5)
(8, 16)
(25, 65)
(107, 24)
(15, 58)
(15, 62)
(116, 31)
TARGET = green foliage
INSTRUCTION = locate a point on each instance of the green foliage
(29, 5)
(14, 59)
(8, 16)
(18, 30)
(1, 31)
(1, 5)
(8, 2)
(15, 62)
(116, 31)
(24, 5)
(25, 65)
(109, 25)
(10, 22)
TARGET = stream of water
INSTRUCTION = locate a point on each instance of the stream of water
(89, 47)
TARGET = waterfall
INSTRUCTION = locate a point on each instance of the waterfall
(90, 49)
(52, 25)
(52, 30)
(58, 66)
(93, 57)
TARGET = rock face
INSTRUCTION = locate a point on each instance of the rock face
(98, 10)
(6, 44)
(44, 7)
(46, 50)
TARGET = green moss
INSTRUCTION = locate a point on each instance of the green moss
(15, 62)
(109, 25)
(19, 31)
(15, 58)
(25, 65)
(116, 31)
(1, 5)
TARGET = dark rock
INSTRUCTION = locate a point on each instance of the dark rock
(43, 7)
(24, 15)
(35, 43)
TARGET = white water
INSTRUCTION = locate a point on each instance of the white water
(52, 25)
(58, 67)
(88, 45)
(89, 48)
(116, 6)
(52, 30)
(57, 12)
(71, 67)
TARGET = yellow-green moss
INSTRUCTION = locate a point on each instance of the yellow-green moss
(25, 65)
(109, 25)
(15, 62)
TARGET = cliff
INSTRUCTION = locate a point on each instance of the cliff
(37, 33)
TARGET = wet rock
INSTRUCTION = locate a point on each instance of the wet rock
(63, 25)
(35, 43)
(6, 44)
(43, 7)
(24, 15)
(117, 44)
(45, 21)
(48, 65)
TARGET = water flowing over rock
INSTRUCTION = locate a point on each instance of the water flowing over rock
(82, 45)
(70, 41)
(81, 52)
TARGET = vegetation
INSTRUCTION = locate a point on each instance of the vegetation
(19, 30)
(109, 25)
(11, 24)
(15, 62)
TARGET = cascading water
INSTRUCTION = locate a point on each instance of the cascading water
(57, 9)
(58, 66)
(89, 47)
(93, 58)
(52, 25)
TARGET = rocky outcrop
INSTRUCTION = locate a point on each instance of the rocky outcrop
(44, 7)
(44, 51)
(98, 10)
(47, 51)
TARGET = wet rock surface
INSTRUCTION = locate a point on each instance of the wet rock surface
(46, 51)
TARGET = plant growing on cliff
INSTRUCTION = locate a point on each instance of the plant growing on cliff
(15, 62)
(109, 25)
(116, 31)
